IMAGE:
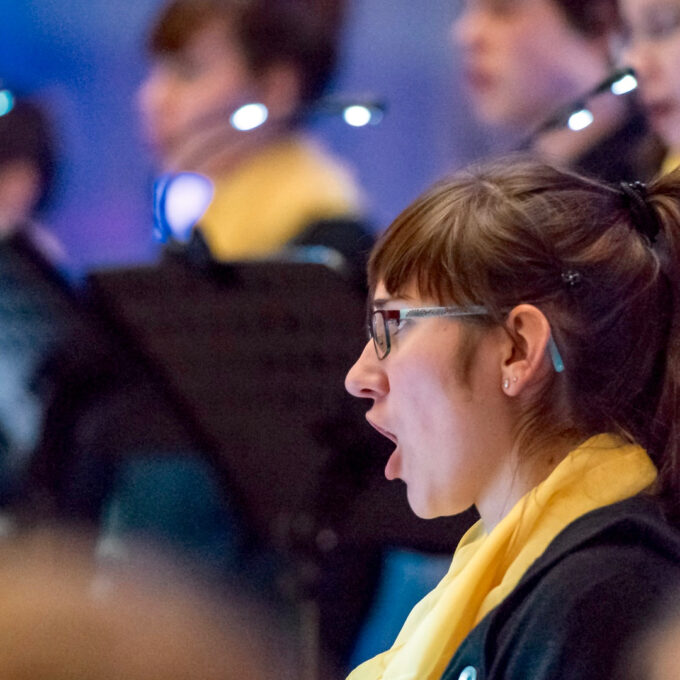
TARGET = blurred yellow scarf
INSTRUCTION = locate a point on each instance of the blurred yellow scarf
(487, 567)
(670, 162)
(271, 197)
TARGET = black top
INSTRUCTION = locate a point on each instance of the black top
(581, 604)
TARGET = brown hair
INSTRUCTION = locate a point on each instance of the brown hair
(518, 231)
(304, 33)
(591, 18)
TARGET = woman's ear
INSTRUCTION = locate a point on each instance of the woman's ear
(526, 363)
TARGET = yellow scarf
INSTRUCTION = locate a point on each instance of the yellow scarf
(273, 196)
(670, 162)
(487, 567)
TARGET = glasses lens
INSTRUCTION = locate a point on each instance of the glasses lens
(379, 332)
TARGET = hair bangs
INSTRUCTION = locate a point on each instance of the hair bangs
(180, 21)
(419, 246)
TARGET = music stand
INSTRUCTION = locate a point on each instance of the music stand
(257, 353)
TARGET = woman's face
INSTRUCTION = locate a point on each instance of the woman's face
(449, 432)
(522, 60)
(654, 52)
(188, 97)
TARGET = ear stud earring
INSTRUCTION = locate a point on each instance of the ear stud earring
(506, 384)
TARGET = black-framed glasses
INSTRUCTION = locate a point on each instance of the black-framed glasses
(380, 320)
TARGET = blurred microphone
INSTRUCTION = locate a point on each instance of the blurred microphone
(576, 115)
(249, 116)
(355, 111)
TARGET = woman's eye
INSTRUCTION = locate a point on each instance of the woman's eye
(185, 68)
(663, 22)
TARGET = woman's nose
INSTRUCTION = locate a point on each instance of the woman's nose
(637, 55)
(466, 29)
(367, 378)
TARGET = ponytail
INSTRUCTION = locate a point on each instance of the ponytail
(664, 429)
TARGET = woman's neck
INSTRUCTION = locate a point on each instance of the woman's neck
(520, 473)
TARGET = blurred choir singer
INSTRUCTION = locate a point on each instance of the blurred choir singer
(273, 185)
(525, 59)
(653, 50)
(27, 173)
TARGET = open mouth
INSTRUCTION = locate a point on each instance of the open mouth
(476, 78)
(384, 433)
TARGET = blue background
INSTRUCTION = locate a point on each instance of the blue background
(86, 58)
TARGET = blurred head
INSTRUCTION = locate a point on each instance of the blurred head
(212, 56)
(60, 621)
(523, 59)
(655, 655)
(27, 163)
(548, 254)
(654, 52)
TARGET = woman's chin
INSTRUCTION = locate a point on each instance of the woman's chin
(421, 507)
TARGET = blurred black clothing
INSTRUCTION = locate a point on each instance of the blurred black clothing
(629, 153)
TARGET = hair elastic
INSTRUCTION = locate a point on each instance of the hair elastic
(644, 217)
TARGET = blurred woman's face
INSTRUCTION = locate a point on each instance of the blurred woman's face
(187, 99)
(20, 189)
(654, 52)
(522, 60)
(666, 662)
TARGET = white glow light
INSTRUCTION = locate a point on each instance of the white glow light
(6, 102)
(187, 197)
(580, 120)
(249, 117)
(357, 116)
(626, 84)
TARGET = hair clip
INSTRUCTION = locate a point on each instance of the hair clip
(644, 217)
(571, 278)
